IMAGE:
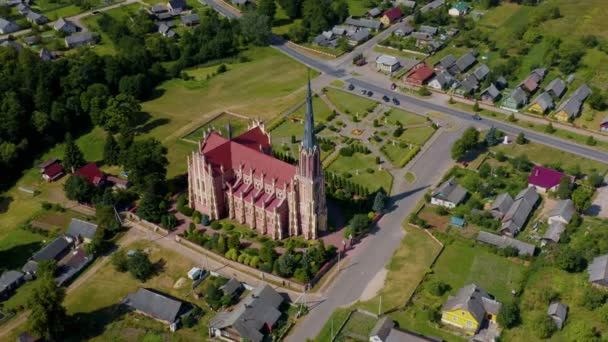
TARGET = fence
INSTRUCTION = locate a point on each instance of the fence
(292, 44)
(147, 224)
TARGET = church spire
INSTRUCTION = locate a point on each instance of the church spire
(309, 141)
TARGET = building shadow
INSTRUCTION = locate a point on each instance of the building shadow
(5, 203)
(87, 325)
(15, 257)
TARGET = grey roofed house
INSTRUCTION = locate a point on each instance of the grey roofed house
(446, 62)
(572, 106)
(542, 72)
(10, 280)
(251, 315)
(432, 30)
(31, 40)
(36, 18)
(450, 191)
(563, 211)
(465, 62)
(46, 55)
(432, 5)
(12, 44)
(404, 30)
(491, 93)
(382, 328)
(445, 79)
(558, 313)
(374, 12)
(156, 305)
(501, 241)
(7, 26)
(501, 83)
(515, 219)
(406, 3)
(468, 85)
(421, 35)
(159, 8)
(30, 267)
(367, 23)
(82, 229)
(65, 26)
(557, 87)
(554, 232)
(359, 37)
(80, 39)
(501, 205)
(481, 72)
(190, 19)
(53, 250)
(240, 2)
(177, 5)
(22, 8)
(474, 299)
(231, 287)
(385, 331)
(544, 100)
(582, 92)
(598, 270)
(519, 96)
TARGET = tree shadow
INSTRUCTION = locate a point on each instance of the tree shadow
(148, 126)
(15, 257)
(5, 202)
(141, 118)
(158, 268)
(282, 21)
(156, 93)
(87, 325)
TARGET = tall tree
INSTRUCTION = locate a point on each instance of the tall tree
(256, 28)
(146, 162)
(72, 157)
(47, 317)
(267, 8)
(564, 188)
(120, 113)
(77, 188)
(293, 8)
(111, 151)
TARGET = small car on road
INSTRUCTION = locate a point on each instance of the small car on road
(395, 101)
(385, 98)
(370, 93)
(351, 87)
(476, 117)
(363, 91)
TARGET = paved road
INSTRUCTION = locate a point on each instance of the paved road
(374, 252)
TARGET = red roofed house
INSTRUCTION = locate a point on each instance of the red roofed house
(240, 179)
(391, 16)
(419, 75)
(92, 173)
(52, 172)
(544, 179)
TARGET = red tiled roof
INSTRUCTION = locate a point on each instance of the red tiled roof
(230, 154)
(544, 177)
(394, 13)
(421, 73)
(53, 170)
(91, 172)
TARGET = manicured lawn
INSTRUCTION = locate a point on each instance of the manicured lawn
(359, 324)
(357, 8)
(410, 177)
(405, 118)
(357, 166)
(320, 110)
(337, 318)
(238, 124)
(185, 105)
(542, 154)
(394, 152)
(417, 135)
(350, 104)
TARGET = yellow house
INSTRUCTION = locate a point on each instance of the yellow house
(391, 16)
(569, 109)
(541, 104)
(469, 308)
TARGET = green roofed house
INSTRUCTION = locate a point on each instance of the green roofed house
(515, 101)
(459, 9)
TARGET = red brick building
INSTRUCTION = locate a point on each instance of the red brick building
(419, 75)
(239, 178)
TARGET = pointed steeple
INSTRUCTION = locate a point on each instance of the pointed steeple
(309, 141)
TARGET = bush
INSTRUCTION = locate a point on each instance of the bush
(346, 151)
(228, 227)
(593, 298)
(205, 220)
(46, 205)
(544, 326)
(215, 225)
(438, 288)
(509, 316)
(441, 211)
(120, 261)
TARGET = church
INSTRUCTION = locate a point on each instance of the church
(238, 178)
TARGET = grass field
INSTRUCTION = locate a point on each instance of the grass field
(394, 52)
(238, 125)
(358, 324)
(417, 135)
(350, 104)
(320, 109)
(405, 118)
(185, 105)
(357, 166)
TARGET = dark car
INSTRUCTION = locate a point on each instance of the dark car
(95, 12)
(476, 117)
(351, 87)
(385, 98)
(395, 101)
(370, 93)
(393, 86)
(363, 91)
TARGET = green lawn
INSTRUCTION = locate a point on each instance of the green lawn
(357, 166)
(359, 324)
(243, 89)
(220, 123)
(350, 104)
(498, 16)
(405, 118)
(417, 135)
(394, 152)
(286, 130)
(320, 109)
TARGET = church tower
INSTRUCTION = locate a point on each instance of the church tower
(311, 179)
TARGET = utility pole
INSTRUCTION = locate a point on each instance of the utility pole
(380, 306)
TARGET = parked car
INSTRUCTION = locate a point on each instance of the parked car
(385, 98)
(363, 91)
(476, 117)
(351, 87)
(395, 101)
(393, 86)
(370, 93)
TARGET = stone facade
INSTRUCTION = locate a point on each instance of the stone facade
(240, 179)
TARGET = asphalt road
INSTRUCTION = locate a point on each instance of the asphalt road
(373, 253)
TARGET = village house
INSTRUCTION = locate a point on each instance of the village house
(240, 3)
(22, 8)
(385, 330)
(501, 241)
(12, 44)
(501, 205)
(501, 83)
(442, 81)
(432, 5)
(65, 26)
(459, 9)
(82, 231)
(515, 218)
(419, 75)
(391, 16)
(405, 3)
(51, 170)
(92, 174)
(177, 6)
(9, 282)
(468, 86)
(571, 108)
(598, 271)
(374, 25)
(46, 55)
(516, 100)
(404, 30)
(556, 88)
(464, 63)
(449, 194)
(159, 306)
(604, 124)
(252, 319)
(481, 72)
(190, 19)
(55, 250)
(374, 12)
(165, 29)
(542, 103)
(563, 212)
(544, 179)
(387, 64)
(31, 40)
(81, 39)
(469, 309)
(445, 63)
(7, 26)
(533, 80)
(490, 95)
(432, 30)
(232, 288)
(36, 18)
(558, 312)
(553, 233)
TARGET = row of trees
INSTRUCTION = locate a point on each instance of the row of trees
(316, 15)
